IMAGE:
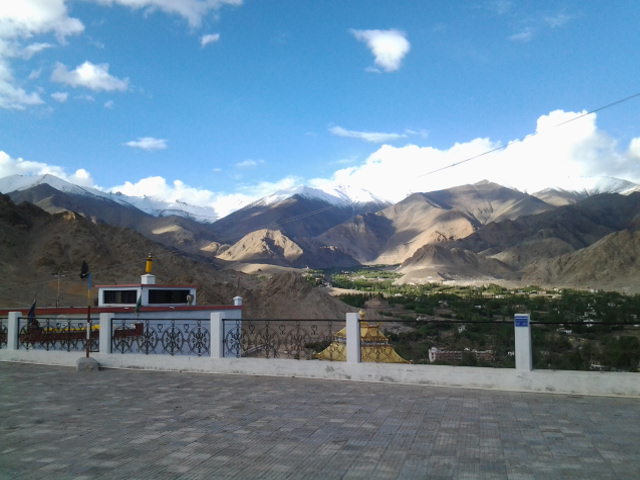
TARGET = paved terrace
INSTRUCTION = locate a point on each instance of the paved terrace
(56, 423)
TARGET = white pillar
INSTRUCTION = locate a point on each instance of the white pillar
(13, 330)
(522, 326)
(106, 321)
(353, 338)
(217, 335)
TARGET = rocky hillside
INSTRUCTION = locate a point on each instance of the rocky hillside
(171, 230)
(559, 231)
(263, 246)
(613, 262)
(271, 247)
(434, 263)
(487, 202)
(592, 243)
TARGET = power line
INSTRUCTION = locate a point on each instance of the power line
(502, 147)
(465, 160)
(608, 105)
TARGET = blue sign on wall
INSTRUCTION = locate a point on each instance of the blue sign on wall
(521, 320)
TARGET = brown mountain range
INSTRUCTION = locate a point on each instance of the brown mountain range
(35, 244)
(395, 233)
(593, 243)
(481, 232)
(613, 262)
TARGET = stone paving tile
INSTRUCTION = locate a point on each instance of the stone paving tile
(131, 424)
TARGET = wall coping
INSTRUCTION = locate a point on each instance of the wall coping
(607, 384)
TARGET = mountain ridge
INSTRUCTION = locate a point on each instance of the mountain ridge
(476, 232)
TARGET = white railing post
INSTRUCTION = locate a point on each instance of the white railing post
(522, 326)
(353, 338)
(217, 335)
(106, 321)
(12, 330)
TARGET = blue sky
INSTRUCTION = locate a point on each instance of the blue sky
(219, 102)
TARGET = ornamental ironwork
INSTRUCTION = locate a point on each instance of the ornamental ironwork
(68, 335)
(154, 336)
(296, 339)
(3, 333)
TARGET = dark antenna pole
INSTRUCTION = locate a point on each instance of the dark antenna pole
(85, 273)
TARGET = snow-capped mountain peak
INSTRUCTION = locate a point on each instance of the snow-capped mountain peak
(13, 183)
(159, 208)
(148, 205)
(338, 195)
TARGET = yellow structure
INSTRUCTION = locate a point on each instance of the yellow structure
(148, 265)
(374, 346)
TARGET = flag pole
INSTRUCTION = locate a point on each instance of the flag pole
(86, 273)
(88, 314)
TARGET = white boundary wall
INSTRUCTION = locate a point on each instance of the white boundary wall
(543, 381)
(520, 380)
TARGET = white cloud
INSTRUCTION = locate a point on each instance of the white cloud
(535, 25)
(154, 187)
(249, 163)
(148, 143)
(89, 75)
(81, 177)
(634, 148)
(60, 96)
(209, 38)
(33, 49)
(20, 21)
(389, 47)
(373, 137)
(19, 166)
(558, 20)
(192, 10)
(565, 149)
(558, 154)
(264, 188)
(421, 132)
(24, 18)
(525, 35)
(226, 203)
(109, 104)
(158, 188)
(12, 96)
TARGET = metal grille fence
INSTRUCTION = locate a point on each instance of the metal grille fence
(68, 335)
(296, 339)
(448, 342)
(600, 346)
(164, 337)
(3, 333)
